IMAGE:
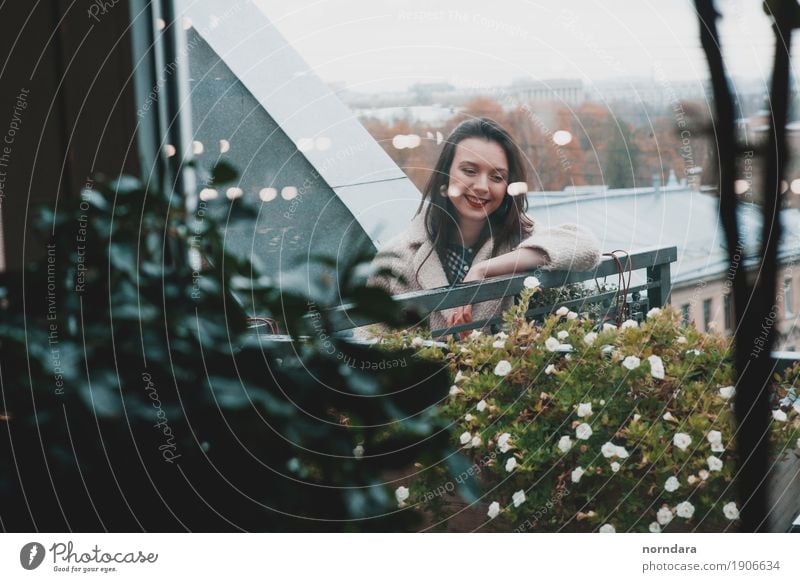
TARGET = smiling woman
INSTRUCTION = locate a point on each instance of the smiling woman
(469, 226)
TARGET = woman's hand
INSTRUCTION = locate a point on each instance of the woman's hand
(458, 316)
(477, 272)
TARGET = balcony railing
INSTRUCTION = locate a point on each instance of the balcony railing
(654, 261)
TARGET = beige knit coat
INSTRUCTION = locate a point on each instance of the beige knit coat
(569, 247)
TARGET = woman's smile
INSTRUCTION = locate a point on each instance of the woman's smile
(478, 180)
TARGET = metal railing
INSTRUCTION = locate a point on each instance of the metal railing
(655, 261)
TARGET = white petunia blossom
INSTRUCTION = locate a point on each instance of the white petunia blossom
(577, 474)
(609, 450)
(551, 344)
(727, 392)
(494, 510)
(416, 342)
(714, 436)
(460, 376)
(672, 484)
(583, 432)
(628, 323)
(454, 390)
(502, 368)
(584, 409)
(703, 474)
(465, 438)
(622, 453)
(589, 338)
(518, 498)
(550, 369)
(730, 510)
(680, 340)
(668, 417)
(796, 406)
(468, 417)
(654, 312)
(656, 367)
(401, 494)
(664, 515)
(684, 509)
(475, 334)
(503, 442)
(609, 327)
(501, 335)
(692, 479)
(563, 334)
(476, 441)
(779, 415)
(714, 463)
(631, 362)
(511, 464)
(681, 440)
(615, 466)
(717, 448)
(607, 528)
(358, 452)
(561, 311)
(695, 351)
(481, 406)
(530, 282)
(572, 315)
(499, 344)
(654, 527)
(564, 444)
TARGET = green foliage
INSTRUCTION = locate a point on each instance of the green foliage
(136, 394)
(630, 427)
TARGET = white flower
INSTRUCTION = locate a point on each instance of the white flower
(703, 474)
(494, 510)
(609, 327)
(609, 450)
(692, 479)
(550, 369)
(454, 390)
(684, 509)
(653, 312)
(501, 335)
(475, 334)
(551, 344)
(572, 315)
(518, 498)
(476, 441)
(628, 323)
(577, 474)
(459, 377)
(668, 417)
(654, 527)
(502, 368)
(664, 515)
(584, 409)
(530, 282)
(672, 484)
(779, 415)
(607, 528)
(717, 448)
(681, 340)
(561, 311)
(481, 406)
(589, 338)
(656, 367)
(465, 438)
(468, 417)
(714, 463)
(511, 464)
(714, 436)
(563, 334)
(727, 392)
(637, 417)
(681, 440)
(602, 403)
(730, 510)
(564, 444)
(358, 452)
(695, 351)
(401, 494)
(583, 432)
(615, 466)
(631, 362)
(503, 442)
(416, 342)
(622, 453)
(499, 344)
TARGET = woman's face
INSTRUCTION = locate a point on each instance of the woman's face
(478, 179)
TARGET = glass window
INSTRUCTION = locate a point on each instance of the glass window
(706, 313)
(685, 313)
(727, 307)
(788, 300)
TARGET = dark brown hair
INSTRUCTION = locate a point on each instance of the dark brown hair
(508, 225)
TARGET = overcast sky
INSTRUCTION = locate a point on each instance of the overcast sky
(375, 45)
